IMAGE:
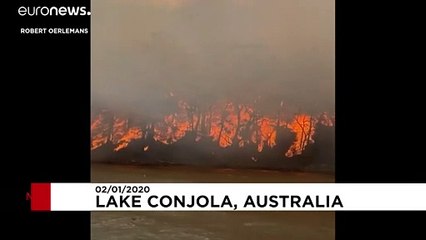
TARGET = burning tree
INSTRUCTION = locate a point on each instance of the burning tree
(224, 132)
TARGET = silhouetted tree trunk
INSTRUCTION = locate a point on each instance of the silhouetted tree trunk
(222, 122)
(237, 129)
(309, 132)
(198, 123)
(209, 126)
(302, 127)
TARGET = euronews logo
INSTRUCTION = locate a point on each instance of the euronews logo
(53, 11)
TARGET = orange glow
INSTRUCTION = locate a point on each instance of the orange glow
(303, 126)
(98, 132)
(223, 122)
(174, 126)
(131, 134)
(226, 124)
(120, 134)
(268, 133)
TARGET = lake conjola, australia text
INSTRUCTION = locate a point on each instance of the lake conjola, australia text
(211, 202)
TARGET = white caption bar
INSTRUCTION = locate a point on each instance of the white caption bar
(235, 197)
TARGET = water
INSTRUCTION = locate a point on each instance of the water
(208, 225)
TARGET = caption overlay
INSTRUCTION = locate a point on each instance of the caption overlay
(226, 197)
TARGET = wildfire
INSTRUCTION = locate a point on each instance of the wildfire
(174, 126)
(226, 124)
(120, 134)
(98, 130)
(304, 128)
(131, 134)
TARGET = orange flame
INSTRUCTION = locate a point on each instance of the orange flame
(304, 127)
(120, 134)
(97, 128)
(226, 124)
(132, 134)
(174, 126)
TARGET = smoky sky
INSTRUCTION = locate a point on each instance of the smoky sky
(211, 50)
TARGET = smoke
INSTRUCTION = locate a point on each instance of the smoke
(203, 51)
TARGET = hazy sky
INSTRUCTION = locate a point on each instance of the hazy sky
(206, 50)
